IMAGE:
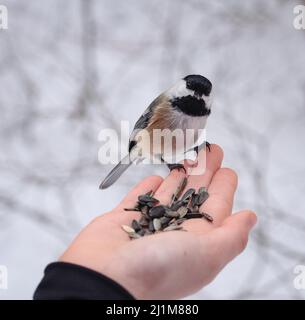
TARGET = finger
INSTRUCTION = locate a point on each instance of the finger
(169, 186)
(230, 239)
(221, 195)
(208, 163)
(148, 184)
(219, 204)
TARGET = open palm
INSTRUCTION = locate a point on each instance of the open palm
(173, 264)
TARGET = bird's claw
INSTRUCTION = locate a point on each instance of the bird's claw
(178, 166)
(207, 145)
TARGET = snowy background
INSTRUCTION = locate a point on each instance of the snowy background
(70, 68)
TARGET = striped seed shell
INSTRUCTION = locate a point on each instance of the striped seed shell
(196, 209)
(135, 225)
(171, 214)
(157, 224)
(202, 197)
(194, 200)
(172, 227)
(181, 187)
(151, 227)
(143, 222)
(151, 204)
(165, 221)
(146, 198)
(202, 189)
(179, 221)
(150, 193)
(157, 212)
(182, 211)
(188, 194)
(207, 216)
(127, 229)
(177, 205)
(141, 232)
(193, 215)
(144, 211)
(134, 236)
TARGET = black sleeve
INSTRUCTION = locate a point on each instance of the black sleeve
(67, 281)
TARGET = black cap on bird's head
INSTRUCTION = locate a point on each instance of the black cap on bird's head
(191, 95)
(199, 84)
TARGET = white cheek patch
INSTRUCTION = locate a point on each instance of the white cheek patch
(179, 90)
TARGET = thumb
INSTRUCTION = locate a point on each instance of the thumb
(231, 238)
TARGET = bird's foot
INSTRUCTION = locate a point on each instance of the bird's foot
(178, 166)
(206, 144)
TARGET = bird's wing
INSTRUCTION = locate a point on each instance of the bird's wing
(143, 121)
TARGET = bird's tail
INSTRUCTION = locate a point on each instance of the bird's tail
(115, 173)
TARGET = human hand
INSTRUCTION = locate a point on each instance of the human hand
(168, 265)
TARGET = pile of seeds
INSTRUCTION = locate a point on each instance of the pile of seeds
(156, 217)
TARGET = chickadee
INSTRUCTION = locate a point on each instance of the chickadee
(186, 105)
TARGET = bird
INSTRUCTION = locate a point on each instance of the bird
(185, 105)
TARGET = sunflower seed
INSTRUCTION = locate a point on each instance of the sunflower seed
(182, 186)
(146, 198)
(207, 216)
(165, 221)
(172, 227)
(157, 224)
(182, 211)
(144, 212)
(135, 225)
(150, 193)
(151, 226)
(202, 190)
(194, 200)
(175, 206)
(127, 229)
(179, 221)
(171, 214)
(196, 209)
(131, 209)
(143, 222)
(179, 190)
(134, 236)
(151, 204)
(188, 194)
(172, 221)
(193, 215)
(202, 197)
(157, 212)
(141, 232)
